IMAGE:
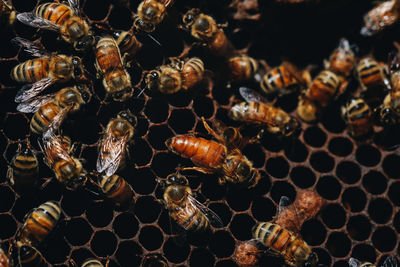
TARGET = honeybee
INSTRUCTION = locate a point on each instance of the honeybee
(214, 157)
(342, 59)
(30, 256)
(169, 79)
(38, 224)
(390, 261)
(61, 18)
(204, 28)
(93, 263)
(113, 145)
(357, 115)
(283, 79)
(150, 13)
(256, 111)
(323, 89)
(51, 109)
(128, 44)
(117, 189)
(23, 171)
(183, 208)
(7, 12)
(116, 79)
(68, 169)
(371, 74)
(247, 254)
(154, 260)
(242, 67)
(389, 111)
(43, 71)
(380, 17)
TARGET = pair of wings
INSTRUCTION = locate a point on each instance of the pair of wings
(30, 19)
(390, 261)
(54, 148)
(111, 152)
(29, 91)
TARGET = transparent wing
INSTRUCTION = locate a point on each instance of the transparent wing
(178, 233)
(75, 5)
(53, 147)
(30, 47)
(214, 219)
(288, 215)
(390, 261)
(59, 118)
(29, 91)
(112, 150)
(31, 19)
(284, 203)
(35, 103)
(354, 262)
(250, 95)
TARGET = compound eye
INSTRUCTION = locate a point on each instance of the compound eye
(85, 97)
(154, 75)
(172, 179)
(188, 18)
(75, 60)
(77, 72)
(244, 169)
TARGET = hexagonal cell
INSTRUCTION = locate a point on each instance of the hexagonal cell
(159, 166)
(156, 110)
(7, 198)
(203, 107)
(157, 136)
(146, 153)
(222, 244)
(241, 226)
(389, 165)
(323, 256)
(396, 222)
(255, 154)
(282, 188)
(103, 243)
(340, 146)
(314, 136)
(338, 244)
(329, 187)
(129, 253)
(380, 210)
(56, 249)
(263, 209)
(296, 151)
(313, 232)
(374, 182)
(100, 214)
(126, 225)
(150, 237)
(223, 211)
(384, 239)
(181, 120)
(368, 155)
(74, 203)
(334, 216)
(175, 253)
(239, 203)
(322, 162)
(143, 181)
(9, 226)
(147, 209)
(16, 126)
(394, 193)
(201, 257)
(354, 199)
(359, 227)
(277, 167)
(364, 252)
(81, 254)
(348, 172)
(78, 231)
(303, 177)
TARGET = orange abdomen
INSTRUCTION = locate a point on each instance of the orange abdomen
(107, 55)
(55, 12)
(43, 117)
(31, 70)
(220, 45)
(202, 152)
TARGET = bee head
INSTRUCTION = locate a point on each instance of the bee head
(190, 17)
(77, 66)
(85, 43)
(292, 128)
(127, 115)
(387, 116)
(85, 92)
(142, 26)
(177, 179)
(312, 260)
(152, 79)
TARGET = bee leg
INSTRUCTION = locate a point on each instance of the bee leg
(221, 181)
(211, 131)
(222, 25)
(199, 169)
(72, 263)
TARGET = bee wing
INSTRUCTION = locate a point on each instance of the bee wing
(250, 95)
(390, 261)
(354, 262)
(34, 104)
(30, 47)
(284, 203)
(29, 91)
(178, 232)
(110, 154)
(75, 5)
(214, 219)
(53, 147)
(59, 118)
(288, 210)
(31, 19)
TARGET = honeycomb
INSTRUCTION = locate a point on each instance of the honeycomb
(358, 180)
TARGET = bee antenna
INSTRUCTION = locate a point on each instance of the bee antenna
(141, 92)
(154, 39)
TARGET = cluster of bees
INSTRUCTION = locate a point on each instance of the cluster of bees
(115, 51)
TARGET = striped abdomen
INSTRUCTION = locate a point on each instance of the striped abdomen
(323, 88)
(277, 79)
(201, 151)
(31, 70)
(24, 170)
(44, 116)
(357, 115)
(220, 45)
(190, 217)
(342, 62)
(39, 223)
(127, 42)
(242, 67)
(31, 257)
(258, 113)
(117, 189)
(92, 263)
(108, 56)
(370, 73)
(55, 12)
(192, 72)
